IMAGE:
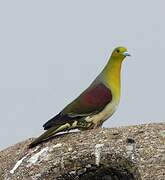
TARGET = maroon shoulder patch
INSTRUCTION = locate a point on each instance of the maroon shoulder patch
(98, 96)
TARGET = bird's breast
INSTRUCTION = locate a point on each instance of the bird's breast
(112, 78)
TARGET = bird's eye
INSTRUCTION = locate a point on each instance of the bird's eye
(117, 50)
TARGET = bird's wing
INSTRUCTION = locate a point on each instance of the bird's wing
(91, 101)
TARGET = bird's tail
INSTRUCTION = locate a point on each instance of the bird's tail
(49, 133)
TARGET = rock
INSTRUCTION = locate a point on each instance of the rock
(128, 153)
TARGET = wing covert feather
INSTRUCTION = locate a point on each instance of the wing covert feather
(94, 99)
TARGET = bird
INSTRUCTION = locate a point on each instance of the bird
(94, 105)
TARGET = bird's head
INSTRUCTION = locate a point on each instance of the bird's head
(120, 53)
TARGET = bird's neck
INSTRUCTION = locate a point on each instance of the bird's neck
(112, 75)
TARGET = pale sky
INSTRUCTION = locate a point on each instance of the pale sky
(50, 51)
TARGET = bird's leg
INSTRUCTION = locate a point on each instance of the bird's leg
(78, 124)
(93, 125)
(83, 125)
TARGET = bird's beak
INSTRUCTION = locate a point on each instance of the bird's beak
(126, 54)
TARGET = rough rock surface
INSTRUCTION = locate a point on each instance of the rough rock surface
(134, 152)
